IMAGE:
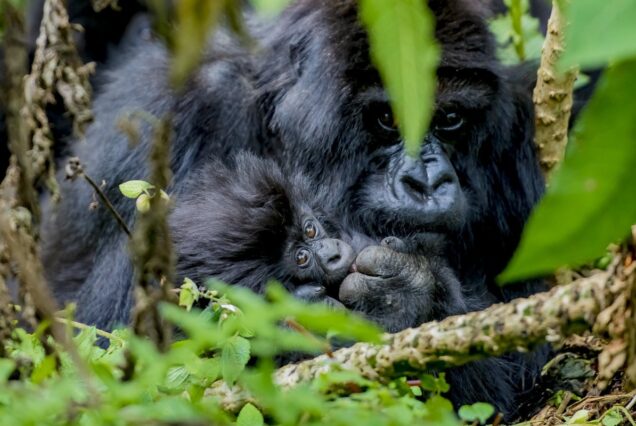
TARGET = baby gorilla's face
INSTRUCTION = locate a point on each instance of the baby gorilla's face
(316, 257)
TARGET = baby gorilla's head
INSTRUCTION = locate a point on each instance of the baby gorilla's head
(250, 223)
(312, 255)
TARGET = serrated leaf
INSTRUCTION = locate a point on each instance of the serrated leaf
(479, 411)
(234, 356)
(250, 416)
(134, 188)
(599, 32)
(403, 48)
(590, 202)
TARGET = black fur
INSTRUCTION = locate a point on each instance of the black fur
(310, 99)
(245, 225)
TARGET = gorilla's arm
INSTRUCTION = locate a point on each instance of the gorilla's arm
(399, 290)
(84, 252)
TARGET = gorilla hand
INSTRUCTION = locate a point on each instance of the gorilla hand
(314, 293)
(398, 289)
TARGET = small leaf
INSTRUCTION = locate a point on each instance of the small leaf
(44, 370)
(143, 203)
(479, 411)
(189, 294)
(6, 368)
(580, 417)
(403, 47)
(590, 201)
(269, 7)
(249, 416)
(134, 188)
(234, 356)
(612, 417)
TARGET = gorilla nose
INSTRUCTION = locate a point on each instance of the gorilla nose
(426, 177)
(335, 257)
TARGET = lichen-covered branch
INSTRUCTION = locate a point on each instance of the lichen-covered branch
(553, 95)
(592, 303)
(152, 247)
(57, 69)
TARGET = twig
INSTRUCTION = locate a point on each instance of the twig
(553, 95)
(81, 326)
(75, 169)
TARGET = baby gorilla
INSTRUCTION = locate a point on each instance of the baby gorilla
(248, 224)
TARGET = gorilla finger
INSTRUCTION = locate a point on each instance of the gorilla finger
(357, 287)
(333, 303)
(379, 261)
(394, 243)
(310, 293)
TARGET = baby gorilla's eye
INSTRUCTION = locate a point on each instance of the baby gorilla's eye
(310, 230)
(302, 257)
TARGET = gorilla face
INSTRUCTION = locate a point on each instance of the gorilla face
(329, 117)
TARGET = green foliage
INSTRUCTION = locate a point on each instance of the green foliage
(404, 49)
(142, 191)
(599, 32)
(249, 416)
(169, 388)
(518, 33)
(478, 412)
(590, 202)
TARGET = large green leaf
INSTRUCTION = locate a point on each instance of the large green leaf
(234, 356)
(403, 47)
(600, 32)
(592, 198)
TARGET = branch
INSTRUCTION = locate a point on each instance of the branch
(553, 95)
(594, 303)
(151, 246)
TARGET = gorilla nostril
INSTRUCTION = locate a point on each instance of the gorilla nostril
(414, 187)
(334, 259)
(442, 180)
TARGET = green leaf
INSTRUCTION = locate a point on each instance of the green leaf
(6, 368)
(44, 370)
(599, 32)
(403, 47)
(195, 19)
(269, 7)
(189, 294)
(134, 188)
(249, 416)
(234, 356)
(143, 203)
(479, 411)
(590, 202)
(612, 417)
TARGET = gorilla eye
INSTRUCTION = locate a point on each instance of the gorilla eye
(302, 257)
(385, 119)
(310, 230)
(449, 121)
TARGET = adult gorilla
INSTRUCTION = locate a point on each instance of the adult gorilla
(312, 100)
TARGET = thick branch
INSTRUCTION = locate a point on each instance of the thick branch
(520, 325)
(553, 95)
